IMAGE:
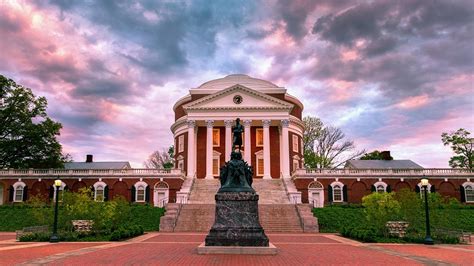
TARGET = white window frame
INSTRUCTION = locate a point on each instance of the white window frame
(295, 143)
(341, 185)
(259, 156)
(214, 130)
(18, 184)
(465, 185)
(163, 188)
(138, 185)
(180, 143)
(97, 185)
(422, 189)
(380, 183)
(180, 164)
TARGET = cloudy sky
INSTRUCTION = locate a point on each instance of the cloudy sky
(393, 75)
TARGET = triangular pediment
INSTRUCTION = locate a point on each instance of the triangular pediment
(227, 99)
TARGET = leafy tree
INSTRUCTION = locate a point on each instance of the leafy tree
(375, 155)
(27, 134)
(462, 146)
(326, 146)
(160, 160)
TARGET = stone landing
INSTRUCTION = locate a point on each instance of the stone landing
(205, 250)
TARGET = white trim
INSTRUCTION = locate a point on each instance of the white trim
(295, 145)
(380, 183)
(216, 155)
(465, 184)
(15, 188)
(318, 201)
(180, 143)
(160, 194)
(137, 185)
(97, 184)
(259, 156)
(337, 183)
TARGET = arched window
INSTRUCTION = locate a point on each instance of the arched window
(380, 189)
(469, 192)
(337, 193)
(100, 191)
(140, 196)
(19, 191)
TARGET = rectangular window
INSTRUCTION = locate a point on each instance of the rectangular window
(216, 137)
(259, 137)
(19, 194)
(181, 143)
(181, 165)
(260, 166)
(295, 144)
(337, 194)
(141, 194)
(215, 166)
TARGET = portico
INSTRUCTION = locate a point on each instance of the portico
(272, 128)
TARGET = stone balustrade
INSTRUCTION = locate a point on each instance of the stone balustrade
(74, 173)
(406, 173)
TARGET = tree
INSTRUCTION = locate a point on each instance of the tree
(27, 134)
(375, 155)
(160, 160)
(326, 146)
(462, 146)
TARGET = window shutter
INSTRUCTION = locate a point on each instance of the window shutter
(147, 194)
(344, 194)
(372, 188)
(106, 193)
(51, 192)
(389, 189)
(432, 190)
(10, 195)
(329, 193)
(66, 188)
(463, 194)
(25, 193)
(93, 192)
(133, 194)
(417, 189)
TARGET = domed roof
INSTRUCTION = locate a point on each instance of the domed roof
(231, 80)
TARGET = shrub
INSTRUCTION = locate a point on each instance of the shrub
(380, 208)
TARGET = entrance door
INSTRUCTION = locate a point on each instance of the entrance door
(317, 201)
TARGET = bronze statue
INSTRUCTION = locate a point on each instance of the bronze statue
(236, 175)
(238, 129)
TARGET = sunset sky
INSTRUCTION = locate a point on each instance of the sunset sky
(393, 75)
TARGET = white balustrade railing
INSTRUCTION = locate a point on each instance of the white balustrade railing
(384, 172)
(91, 172)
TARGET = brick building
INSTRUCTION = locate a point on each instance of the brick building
(272, 145)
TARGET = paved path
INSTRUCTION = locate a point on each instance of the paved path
(180, 249)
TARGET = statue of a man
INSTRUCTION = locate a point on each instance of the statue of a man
(237, 130)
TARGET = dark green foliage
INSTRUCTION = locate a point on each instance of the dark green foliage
(375, 155)
(27, 134)
(461, 144)
(147, 216)
(332, 219)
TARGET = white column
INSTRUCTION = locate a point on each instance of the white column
(247, 145)
(191, 149)
(228, 138)
(285, 167)
(266, 149)
(209, 124)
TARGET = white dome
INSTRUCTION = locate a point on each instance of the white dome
(231, 80)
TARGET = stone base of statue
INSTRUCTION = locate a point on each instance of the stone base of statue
(237, 222)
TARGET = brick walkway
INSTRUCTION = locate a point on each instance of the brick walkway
(180, 249)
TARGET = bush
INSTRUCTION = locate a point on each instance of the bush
(364, 234)
(381, 208)
(332, 219)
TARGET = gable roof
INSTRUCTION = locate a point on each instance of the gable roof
(382, 164)
(97, 165)
(222, 100)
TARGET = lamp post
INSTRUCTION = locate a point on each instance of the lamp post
(428, 239)
(54, 238)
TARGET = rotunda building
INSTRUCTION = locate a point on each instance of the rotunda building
(272, 118)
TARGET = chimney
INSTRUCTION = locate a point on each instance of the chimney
(386, 155)
(89, 158)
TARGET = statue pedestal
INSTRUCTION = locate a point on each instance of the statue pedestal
(236, 222)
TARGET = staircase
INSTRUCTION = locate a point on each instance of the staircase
(276, 213)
